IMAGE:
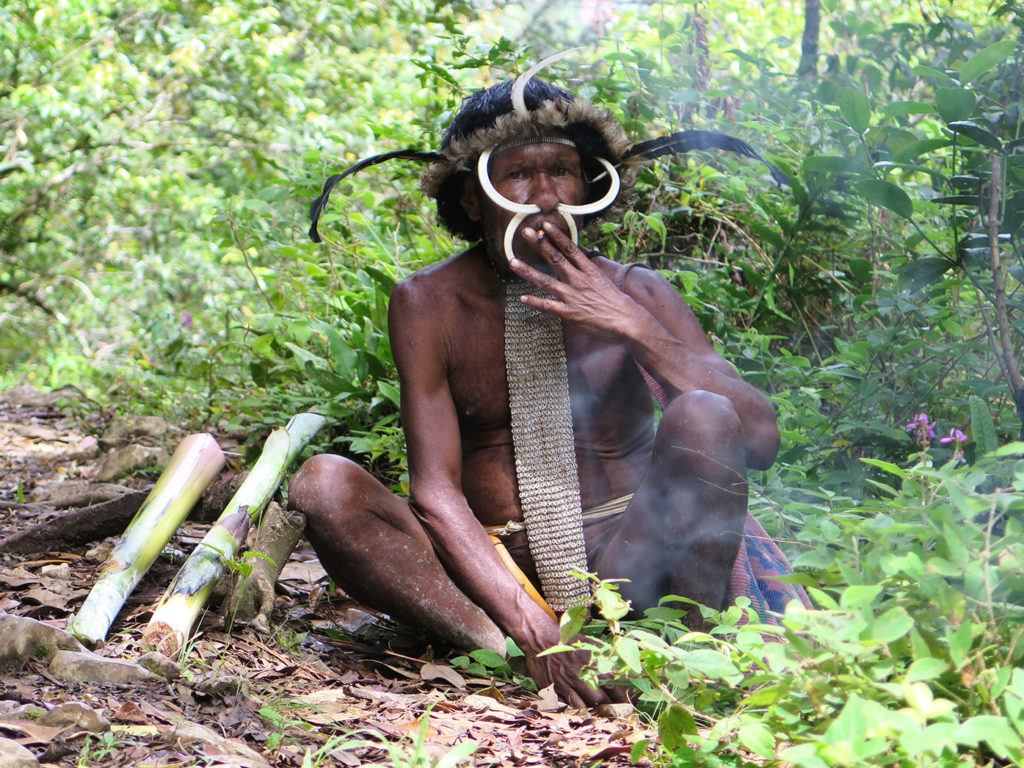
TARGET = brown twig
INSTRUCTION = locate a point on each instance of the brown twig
(1005, 349)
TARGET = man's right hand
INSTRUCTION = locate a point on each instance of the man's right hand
(563, 670)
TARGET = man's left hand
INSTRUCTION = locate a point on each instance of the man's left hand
(582, 293)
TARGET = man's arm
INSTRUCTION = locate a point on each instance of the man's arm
(435, 467)
(663, 334)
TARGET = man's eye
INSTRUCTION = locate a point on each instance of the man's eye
(515, 174)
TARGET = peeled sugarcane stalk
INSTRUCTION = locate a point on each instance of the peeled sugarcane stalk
(194, 465)
(181, 604)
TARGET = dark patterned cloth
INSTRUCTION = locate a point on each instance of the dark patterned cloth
(754, 573)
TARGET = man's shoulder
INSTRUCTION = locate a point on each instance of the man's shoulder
(434, 290)
(450, 273)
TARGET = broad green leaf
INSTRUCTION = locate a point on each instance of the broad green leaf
(954, 103)
(985, 59)
(572, 622)
(859, 595)
(960, 642)
(628, 650)
(488, 658)
(713, 664)
(922, 70)
(915, 149)
(390, 392)
(996, 731)
(674, 723)
(925, 669)
(457, 755)
(1010, 449)
(861, 269)
(983, 428)
(610, 603)
(888, 466)
(977, 133)
(831, 164)
(638, 750)
(855, 108)
(891, 625)
(899, 108)
(920, 273)
(758, 738)
(885, 195)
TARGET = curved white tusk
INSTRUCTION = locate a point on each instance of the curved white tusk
(573, 232)
(510, 232)
(604, 202)
(489, 190)
(519, 86)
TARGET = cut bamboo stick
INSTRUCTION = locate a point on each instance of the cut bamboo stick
(194, 465)
(176, 614)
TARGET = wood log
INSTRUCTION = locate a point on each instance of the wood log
(250, 597)
(76, 527)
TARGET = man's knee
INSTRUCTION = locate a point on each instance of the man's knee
(702, 420)
(324, 485)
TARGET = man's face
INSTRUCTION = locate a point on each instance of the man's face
(543, 174)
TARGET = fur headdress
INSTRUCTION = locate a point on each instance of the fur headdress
(529, 107)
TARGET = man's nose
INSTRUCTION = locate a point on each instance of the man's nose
(544, 193)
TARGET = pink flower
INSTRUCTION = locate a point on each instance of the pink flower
(922, 428)
(954, 436)
(186, 319)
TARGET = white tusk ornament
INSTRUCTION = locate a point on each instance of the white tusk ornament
(522, 210)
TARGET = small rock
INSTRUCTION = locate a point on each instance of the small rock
(85, 667)
(186, 733)
(76, 714)
(130, 458)
(223, 686)
(30, 397)
(101, 551)
(64, 494)
(22, 638)
(13, 755)
(617, 709)
(159, 664)
(61, 572)
(121, 430)
(11, 710)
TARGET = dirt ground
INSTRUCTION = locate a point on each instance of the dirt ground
(330, 684)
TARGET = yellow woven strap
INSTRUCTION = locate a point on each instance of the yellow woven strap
(515, 570)
(545, 453)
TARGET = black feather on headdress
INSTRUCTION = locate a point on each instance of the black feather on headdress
(686, 141)
(401, 154)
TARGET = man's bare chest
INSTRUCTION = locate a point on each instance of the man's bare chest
(600, 373)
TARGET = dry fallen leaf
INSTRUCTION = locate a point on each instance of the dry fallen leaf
(441, 672)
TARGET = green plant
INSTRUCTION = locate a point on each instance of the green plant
(98, 748)
(913, 656)
(279, 718)
(414, 753)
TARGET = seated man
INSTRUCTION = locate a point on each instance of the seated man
(527, 366)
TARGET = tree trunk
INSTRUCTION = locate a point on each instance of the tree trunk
(808, 67)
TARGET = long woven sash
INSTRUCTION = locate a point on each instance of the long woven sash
(549, 488)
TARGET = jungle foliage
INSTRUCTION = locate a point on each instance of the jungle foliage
(157, 161)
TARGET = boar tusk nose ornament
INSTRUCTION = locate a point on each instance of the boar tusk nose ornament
(522, 210)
